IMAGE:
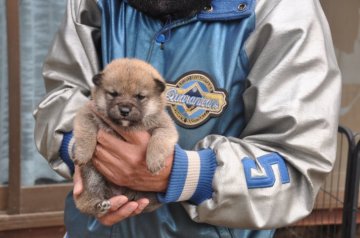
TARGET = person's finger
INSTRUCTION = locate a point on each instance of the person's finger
(106, 172)
(136, 138)
(120, 148)
(105, 157)
(127, 137)
(105, 154)
(117, 202)
(122, 213)
(109, 140)
(110, 170)
(143, 203)
(78, 184)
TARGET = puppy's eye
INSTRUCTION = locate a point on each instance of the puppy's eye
(113, 94)
(139, 97)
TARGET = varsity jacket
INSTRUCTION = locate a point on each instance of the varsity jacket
(253, 87)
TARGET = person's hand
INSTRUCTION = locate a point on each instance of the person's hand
(78, 184)
(120, 208)
(123, 161)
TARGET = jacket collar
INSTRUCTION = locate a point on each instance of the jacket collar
(227, 10)
(222, 10)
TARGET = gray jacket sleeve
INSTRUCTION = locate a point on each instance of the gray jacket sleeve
(68, 70)
(269, 177)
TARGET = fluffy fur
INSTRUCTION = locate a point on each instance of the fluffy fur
(165, 8)
(130, 94)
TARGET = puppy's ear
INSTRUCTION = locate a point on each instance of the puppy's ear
(160, 85)
(97, 79)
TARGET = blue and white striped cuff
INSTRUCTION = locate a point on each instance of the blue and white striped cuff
(191, 176)
(66, 150)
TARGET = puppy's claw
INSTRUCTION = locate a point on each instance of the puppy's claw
(103, 207)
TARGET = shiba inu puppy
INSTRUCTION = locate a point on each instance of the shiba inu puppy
(130, 94)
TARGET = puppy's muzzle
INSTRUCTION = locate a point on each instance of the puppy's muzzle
(124, 111)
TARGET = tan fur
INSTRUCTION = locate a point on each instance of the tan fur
(129, 93)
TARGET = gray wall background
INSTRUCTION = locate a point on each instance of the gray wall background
(39, 21)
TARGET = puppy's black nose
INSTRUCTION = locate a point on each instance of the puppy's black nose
(124, 111)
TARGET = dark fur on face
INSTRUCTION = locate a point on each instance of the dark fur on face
(174, 8)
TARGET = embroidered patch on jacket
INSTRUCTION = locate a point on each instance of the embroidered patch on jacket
(194, 99)
(261, 174)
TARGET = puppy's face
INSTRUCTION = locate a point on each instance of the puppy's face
(128, 91)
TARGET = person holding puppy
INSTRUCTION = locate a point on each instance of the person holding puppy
(253, 87)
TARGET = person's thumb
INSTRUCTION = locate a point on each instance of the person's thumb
(78, 185)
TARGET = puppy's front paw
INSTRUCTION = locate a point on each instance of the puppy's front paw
(81, 159)
(82, 154)
(154, 165)
(103, 207)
